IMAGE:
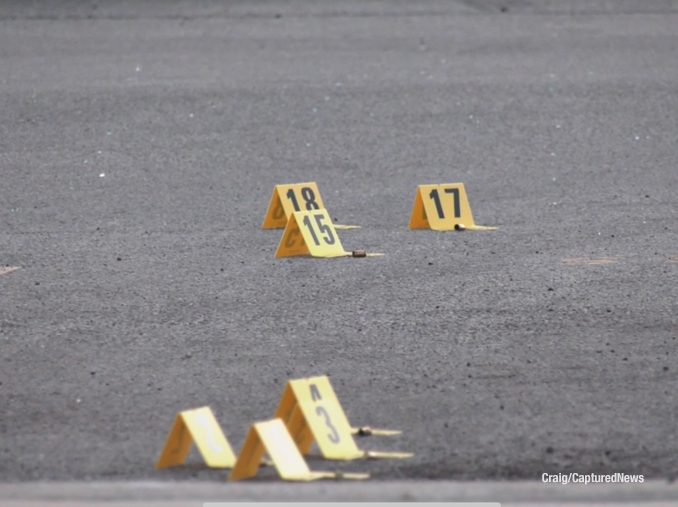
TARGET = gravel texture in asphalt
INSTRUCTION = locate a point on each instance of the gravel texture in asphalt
(139, 146)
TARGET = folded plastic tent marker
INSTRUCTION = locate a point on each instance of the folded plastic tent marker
(272, 438)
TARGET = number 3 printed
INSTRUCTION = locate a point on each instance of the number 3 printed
(334, 436)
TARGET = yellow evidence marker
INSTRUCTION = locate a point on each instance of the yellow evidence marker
(312, 233)
(322, 388)
(272, 438)
(443, 208)
(201, 426)
(311, 411)
(287, 199)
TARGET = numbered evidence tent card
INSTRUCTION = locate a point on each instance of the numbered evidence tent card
(287, 199)
(320, 388)
(199, 426)
(311, 411)
(272, 438)
(310, 233)
(443, 207)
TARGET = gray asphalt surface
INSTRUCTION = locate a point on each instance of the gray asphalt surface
(140, 143)
(511, 493)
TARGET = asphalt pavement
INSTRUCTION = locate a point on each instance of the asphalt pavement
(194, 494)
(139, 146)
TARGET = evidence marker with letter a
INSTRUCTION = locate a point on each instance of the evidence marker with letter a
(312, 413)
